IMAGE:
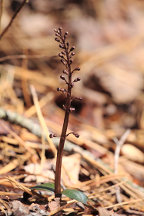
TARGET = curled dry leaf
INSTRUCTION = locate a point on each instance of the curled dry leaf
(133, 153)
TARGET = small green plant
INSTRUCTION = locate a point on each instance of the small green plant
(71, 193)
(66, 56)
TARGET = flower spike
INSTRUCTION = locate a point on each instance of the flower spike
(66, 57)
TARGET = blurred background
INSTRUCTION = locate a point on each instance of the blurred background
(108, 35)
(109, 40)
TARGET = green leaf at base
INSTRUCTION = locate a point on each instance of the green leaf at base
(46, 186)
(75, 194)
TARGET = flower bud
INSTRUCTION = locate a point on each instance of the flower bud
(52, 135)
(77, 79)
(56, 39)
(72, 109)
(62, 77)
(78, 69)
(72, 54)
(60, 29)
(61, 46)
(66, 34)
(65, 71)
(63, 61)
(72, 48)
(76, 135)
(70, 61)
(60, 55)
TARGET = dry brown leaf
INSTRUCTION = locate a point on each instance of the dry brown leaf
(39, 173)
(72, 167)
(103, 212)
(19, 208)
(54, 205)
(134, 169)
(133, 153)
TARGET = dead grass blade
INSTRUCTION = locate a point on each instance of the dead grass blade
(125, 203)
(16, 184)
(42, 121)
(13, 164)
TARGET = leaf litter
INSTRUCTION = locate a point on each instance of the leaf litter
(109, 38)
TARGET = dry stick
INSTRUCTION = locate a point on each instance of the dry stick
(1, 12)
(43, 158)
(21, 56)
(18, 119)
(119, 144)
(12, 19)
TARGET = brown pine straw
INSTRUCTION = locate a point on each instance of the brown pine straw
(94, 195)
(3, 193)
(125, 203)
(5, 206)
(42, 121)
(16, 184)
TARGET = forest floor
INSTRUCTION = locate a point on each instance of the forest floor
(106, 161)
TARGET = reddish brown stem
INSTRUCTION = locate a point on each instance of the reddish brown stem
(66, 120)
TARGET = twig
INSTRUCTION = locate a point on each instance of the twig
(12, 19)
(119, 144)
(15, 118)
(1, 12)
(22, 56)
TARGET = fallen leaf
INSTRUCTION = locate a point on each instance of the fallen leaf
(39, 173)
(72, 167)
(105, 212)
(54, 205)
(133, 153)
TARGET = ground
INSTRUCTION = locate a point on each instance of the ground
(106, 161)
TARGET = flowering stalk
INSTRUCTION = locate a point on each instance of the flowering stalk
(66, 58)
